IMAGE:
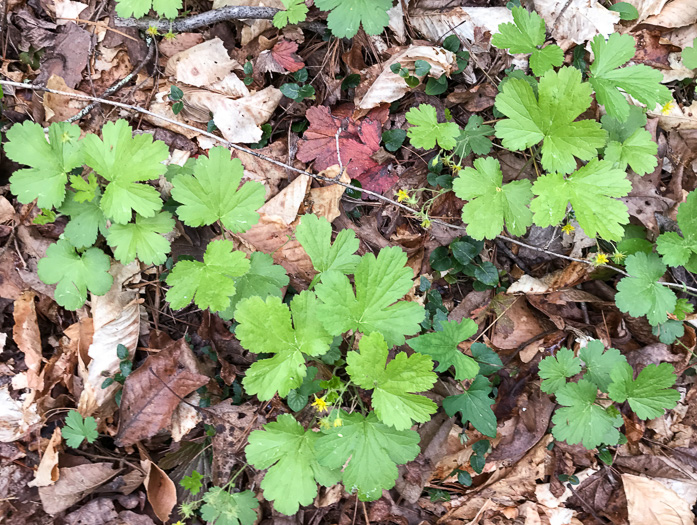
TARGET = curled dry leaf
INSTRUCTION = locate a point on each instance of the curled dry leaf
(253, 28)
(47, 472)
(60, 107)
(437, 24)
(577, 21)
(66, 10)
(75, 483)
(185, 417)
(152, 392)
(647, 8)
(162, 493)
(678, 13)
(15, 418)
(27, 337)
(677, 118)
(116, 320)
(384, 86)
(650, 503)
(325, 200)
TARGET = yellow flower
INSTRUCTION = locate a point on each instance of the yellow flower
(338, 422)
(152, 31)
(320, 404)
(170, 36)
(323, 423)
(402, 195)
(601, 258)
(568, 228)
(667, 107)
(426, 223)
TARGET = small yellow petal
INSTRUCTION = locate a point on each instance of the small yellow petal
(601, 258)
(568, 228)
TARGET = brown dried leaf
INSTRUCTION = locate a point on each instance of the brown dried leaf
(60, 107)
(202, 65)
(153, 391)
(47, 472)
(678, 13)
(651, 503)
(516, 322)
(15, 418)
(162, 493)
(27, 337)
(232, 426)
(74, 483)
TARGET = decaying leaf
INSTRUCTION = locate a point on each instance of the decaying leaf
(153, 391)
(284, 53)
(650, 503)
(47, 472)
(15, 418)
(437, 24)
(577, 21)
(162, 493)
(75, 483)
(27, 337)
(116, 319)
(358, 141)
(385, 86)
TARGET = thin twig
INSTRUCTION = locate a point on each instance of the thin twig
(322, 178)
(208, 18)
(119, 84)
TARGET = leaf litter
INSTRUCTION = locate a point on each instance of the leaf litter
(107, 410)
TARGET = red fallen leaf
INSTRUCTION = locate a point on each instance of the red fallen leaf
(357, 142)
(153, 391)
(284, 53)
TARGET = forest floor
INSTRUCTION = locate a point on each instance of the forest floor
(308, 103)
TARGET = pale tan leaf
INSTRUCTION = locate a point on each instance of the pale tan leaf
(162, 493)
(202, 65)
(152, 392)
(650, 503)
(677, 118)
(27, 337)
(116, 318)
(74, 483)
(185, 417)
(15, 418)
(437, 24)
(388, 86)
(7, 212)
(577, 21)
(325, 200)
(646, 8)
(47, 472)
(678, 13)
(66, 10)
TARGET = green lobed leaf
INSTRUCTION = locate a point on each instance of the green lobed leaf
(556, 369)
(315, 236)
(650, 394)
(525, 35)
(374, 307)
(626, 10)
(492, 203)
(474, 406)
(223, 508)
(638, 151)
(86, 220)
(608, 77)
(142, 239)
(266, 327)
(209, 283)
(372, 449)
(426, 131)
(213, 193)
(599, 363)
(295, 12)
(49, 161)
(140, 8)
(488, 360)
(193, 482)
(290, 454)
(593, 192)
(580, 420)
(689, 55)
(474, 138)
(442, 346)
(75, 273)
(677, 250)
(125, 161)
(346, 16)
(550, 120)
(263, 279)
(393, 382)
(77, 429)
(641, 293)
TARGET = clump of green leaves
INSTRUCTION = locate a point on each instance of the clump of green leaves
(589, 417)
(426, 131)
(295, 12)
(298, 90)
(346, 16)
